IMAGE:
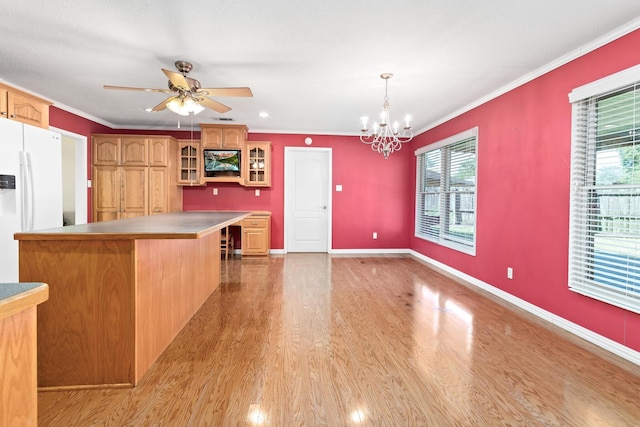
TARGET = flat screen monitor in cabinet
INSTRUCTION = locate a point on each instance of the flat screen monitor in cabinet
(221, 162)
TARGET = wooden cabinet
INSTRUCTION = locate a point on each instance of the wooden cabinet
(134, 175)
(119, 192)
(223, 136)
(189, 163)
(23, 107)
(257, 164)
(111, 150)
(18, 353)
(256, 234)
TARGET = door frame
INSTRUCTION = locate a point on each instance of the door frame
(288, 158)
(81, 181)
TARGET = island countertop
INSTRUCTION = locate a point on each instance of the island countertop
(15, 297)
(175, 225)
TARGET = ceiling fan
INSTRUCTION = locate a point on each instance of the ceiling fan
(187, 95)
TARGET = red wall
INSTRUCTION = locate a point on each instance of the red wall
(376, 193)
(524, 154)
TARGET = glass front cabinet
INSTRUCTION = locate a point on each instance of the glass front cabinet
(189, 163)
(257, 164)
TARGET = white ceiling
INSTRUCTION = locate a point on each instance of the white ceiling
(314, 66)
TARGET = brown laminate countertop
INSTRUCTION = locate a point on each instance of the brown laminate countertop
(175, 225)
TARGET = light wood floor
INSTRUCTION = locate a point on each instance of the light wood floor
(316, 340)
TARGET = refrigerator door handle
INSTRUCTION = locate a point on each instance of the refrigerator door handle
(23, 191)
(31, 200)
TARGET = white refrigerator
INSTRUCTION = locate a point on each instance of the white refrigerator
(30, 187)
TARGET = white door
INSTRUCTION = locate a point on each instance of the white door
(307, 199)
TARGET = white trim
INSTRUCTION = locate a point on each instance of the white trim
(449, 140)
(584, 333)
(606, 84)
(369, 251)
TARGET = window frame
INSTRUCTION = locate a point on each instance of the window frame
(421, 219)
(587, 270)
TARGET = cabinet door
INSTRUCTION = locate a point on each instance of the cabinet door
(211, 137)
(257, 164)
(106, 150)
(27, 109)
(189, 163)
(133, 151)
(4, 108)
(233, 137)
(106, 193)
(253, 241)
(134, 198)
(158, 190)
(159, 151)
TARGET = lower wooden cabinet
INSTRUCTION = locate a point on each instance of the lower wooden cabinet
(256, 234)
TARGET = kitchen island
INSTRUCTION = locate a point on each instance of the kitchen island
(119, 292)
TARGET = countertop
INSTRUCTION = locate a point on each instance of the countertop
(175, 225)
(16, 297)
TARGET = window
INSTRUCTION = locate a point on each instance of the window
(446, 191)
(604, 254)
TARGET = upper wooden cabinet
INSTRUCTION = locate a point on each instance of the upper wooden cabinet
(114, 150)
(256, 164)
(159, 151)
(23, 107)
(223, 136)
(189, 163)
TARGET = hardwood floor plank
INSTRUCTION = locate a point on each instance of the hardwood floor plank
(321, 340)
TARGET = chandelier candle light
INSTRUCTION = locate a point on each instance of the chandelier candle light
(385, 139)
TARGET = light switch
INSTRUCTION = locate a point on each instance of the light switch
(338, 187)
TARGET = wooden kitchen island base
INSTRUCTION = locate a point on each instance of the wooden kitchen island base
(115, 303)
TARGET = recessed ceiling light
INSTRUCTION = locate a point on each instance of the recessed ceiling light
(148, 110)
(264, 114)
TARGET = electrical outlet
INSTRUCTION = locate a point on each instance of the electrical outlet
(375, 235)
(215, 191)
(257, 191)
(509, 273)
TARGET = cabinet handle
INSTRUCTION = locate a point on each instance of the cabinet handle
(3, 113)
(13, 116)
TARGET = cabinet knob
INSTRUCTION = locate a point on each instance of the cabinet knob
(3, 113)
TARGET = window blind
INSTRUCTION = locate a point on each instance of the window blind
(604, 258)
(446, 192)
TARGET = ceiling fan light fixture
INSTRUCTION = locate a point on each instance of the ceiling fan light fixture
(184, 106)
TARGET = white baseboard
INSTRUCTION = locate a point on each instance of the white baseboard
(582, 332)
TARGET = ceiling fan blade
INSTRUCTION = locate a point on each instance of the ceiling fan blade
(163, 104)
(214, 105)
(177, 79)
(226, 91)
(144, 89)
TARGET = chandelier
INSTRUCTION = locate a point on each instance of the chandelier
(386, 138)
